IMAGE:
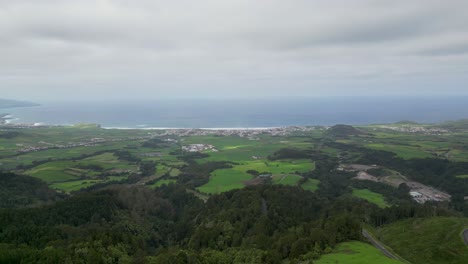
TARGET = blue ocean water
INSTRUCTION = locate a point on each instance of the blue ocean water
(246, 113)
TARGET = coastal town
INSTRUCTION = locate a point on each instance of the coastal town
(168, 135)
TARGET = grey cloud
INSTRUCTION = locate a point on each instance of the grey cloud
(211, 47)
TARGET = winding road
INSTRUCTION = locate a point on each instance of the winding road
(381, 247)
(465, 236)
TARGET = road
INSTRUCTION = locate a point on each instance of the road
(465, 236)
(381, 247)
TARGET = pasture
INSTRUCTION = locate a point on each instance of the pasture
(54, 171)
(355, 252)
(310, 185)
(283, 179)
(224, 180)
(161, 183)
(370, 196)
(233, 178)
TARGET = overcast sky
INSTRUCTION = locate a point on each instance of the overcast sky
(59, 49)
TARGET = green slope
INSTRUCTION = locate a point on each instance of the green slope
(427, 240)
(355, 253)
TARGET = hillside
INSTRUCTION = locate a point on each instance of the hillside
(344, 131)
(455, 125)
(24, 191)
(427, 240)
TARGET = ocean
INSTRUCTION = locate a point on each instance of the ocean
(249, 113)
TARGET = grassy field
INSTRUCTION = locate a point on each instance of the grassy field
(370, 196)
(175, 172)
(228, 179)
(52, 171)
(465, 176)
(161, 183)
(234, 148)
(247, 154)
(434, 240)
(355, 253)
(311, 185)
(74, 185)
(403, 151)
(277, 167)
(225, 180)
(70, 186)
(108, 161)
(283, 179)
(67, 176)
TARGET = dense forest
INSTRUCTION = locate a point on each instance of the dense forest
(134, 224)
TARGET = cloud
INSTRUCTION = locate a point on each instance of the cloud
(122, 49)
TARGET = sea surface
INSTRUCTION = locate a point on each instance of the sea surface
(245, 113)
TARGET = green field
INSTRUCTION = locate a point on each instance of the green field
(108, 161)
(355, 253)
(174, 172)
(311, 185)
(228, 179)
(465, 176)
(234, 148)
(67, 176)
(70, 186)
(433, 240)
(277, 167)
(370, 196)
(161, 183)
(225, 180)
(283, 179)
(74, 185)
(403, 151)
(52, 171)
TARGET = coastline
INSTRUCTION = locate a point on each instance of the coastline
(193, 128)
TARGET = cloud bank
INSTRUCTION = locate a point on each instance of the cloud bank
(61, 49)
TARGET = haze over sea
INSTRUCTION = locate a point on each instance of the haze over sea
(252, 113)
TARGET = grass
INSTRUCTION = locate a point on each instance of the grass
(70, 186)
(225, 180)
(108, 161)
(277, 167)
(370, 196)
(228, 179)
(355, 252)
(64, 175)
(433, 240)
(310, 185)
(174, 172)
(403, 151)
(290, 180)
(234, 148)
(52, 171)
(161, 183)
(74, 185)
(465, 176)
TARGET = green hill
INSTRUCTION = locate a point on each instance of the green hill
(344, 131)
(427, 240)
(24, 191)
